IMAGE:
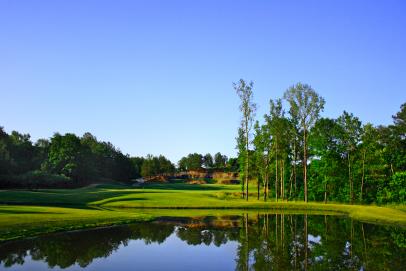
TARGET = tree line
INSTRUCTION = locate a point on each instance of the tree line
(196, 161)
(294, 153)
(69, 161)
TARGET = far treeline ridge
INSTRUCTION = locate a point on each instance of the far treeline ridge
(70, 161)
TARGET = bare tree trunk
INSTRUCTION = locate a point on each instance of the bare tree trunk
(247, 152)
(291, 185)
(305, 164)
(363, 174)
(258, 189)
(349, 176)
(325, 192)
(268, 186)
(265, 184)
(276, 170)
(243, 186)
(294, 166)
(281, 179)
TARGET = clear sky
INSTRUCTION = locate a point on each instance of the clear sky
(156, 76)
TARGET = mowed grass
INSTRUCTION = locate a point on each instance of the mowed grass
(29, 212)
(24, 221)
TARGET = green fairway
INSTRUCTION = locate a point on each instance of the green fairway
(28, 212)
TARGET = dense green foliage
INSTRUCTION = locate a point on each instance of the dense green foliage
(68, 161)
(71, 161)
(192, 161)
(300, 156)
(196, 161)
(153, 166)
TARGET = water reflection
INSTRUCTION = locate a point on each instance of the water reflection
(247, 242)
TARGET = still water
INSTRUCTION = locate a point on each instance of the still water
(240, 242)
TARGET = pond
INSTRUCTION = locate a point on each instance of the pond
(233, 242)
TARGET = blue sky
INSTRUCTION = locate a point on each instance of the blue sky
(156, 76)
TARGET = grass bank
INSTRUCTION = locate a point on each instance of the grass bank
(29, 212)
(24, 221)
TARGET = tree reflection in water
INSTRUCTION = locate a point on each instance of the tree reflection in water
(265, 242)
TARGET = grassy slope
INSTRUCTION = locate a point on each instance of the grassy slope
(23, 221)
(30, 212)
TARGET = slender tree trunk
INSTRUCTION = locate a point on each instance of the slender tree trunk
(325, 191)
(276, 169)
(280, 179)
(282, 182)
(247, 152)
(246, 187)
(268, 188)
(349, 176)
(283, 179)
(243, 188)
(294, 166)
(305, 163)
(243, 185)
(265, 184)
(291, 185)
(258, 188)
(363, 174)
